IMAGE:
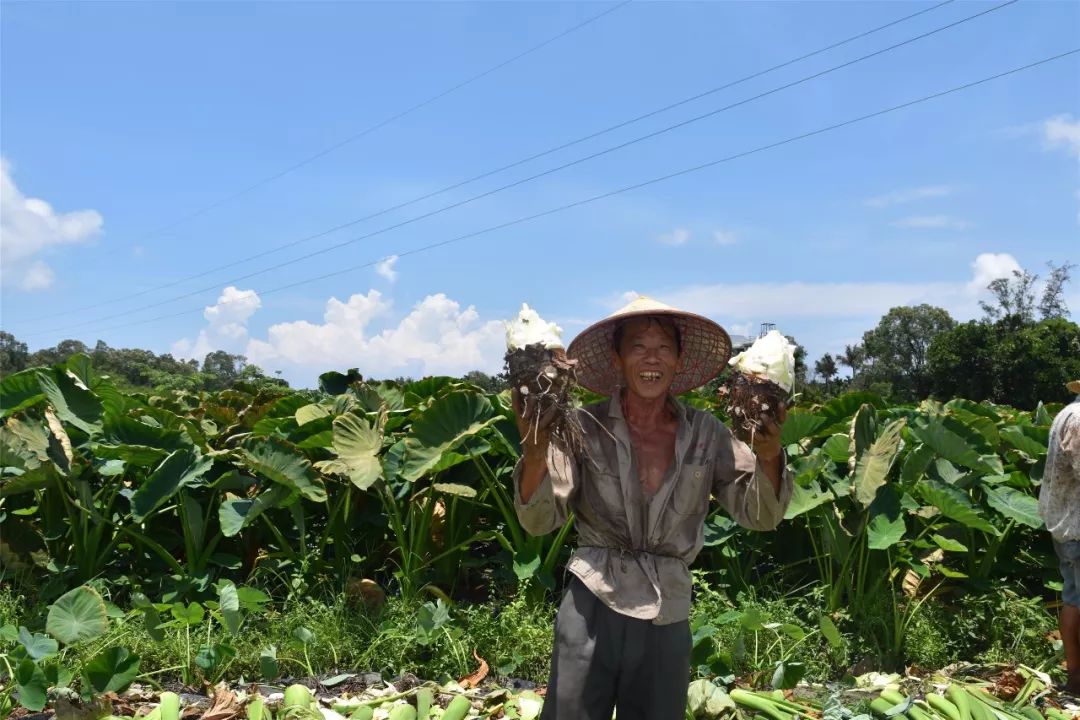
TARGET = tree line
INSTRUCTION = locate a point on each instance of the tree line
(1020, 352)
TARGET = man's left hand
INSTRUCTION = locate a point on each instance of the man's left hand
(766, 442)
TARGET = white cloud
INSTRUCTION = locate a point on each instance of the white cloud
(900, 197)
(226, 327)
(676, 237)
(988, 267)
(932, 222)
(36, 276)
(1063, 131)
(436, 337)
(725, 237)
(744, 329)
(30, 227)
(737, 303)
(386, 269)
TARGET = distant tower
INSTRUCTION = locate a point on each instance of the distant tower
(765, 328)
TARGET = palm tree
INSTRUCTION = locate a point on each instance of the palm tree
(826, 368)
(853, 358)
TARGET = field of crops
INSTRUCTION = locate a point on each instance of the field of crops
(186, 519)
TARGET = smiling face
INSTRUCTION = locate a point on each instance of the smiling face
(648, 356)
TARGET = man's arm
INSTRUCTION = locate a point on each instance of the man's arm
(545, 478)
(752, 485)
(770, 453)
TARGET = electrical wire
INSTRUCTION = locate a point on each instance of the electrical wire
(624, 189)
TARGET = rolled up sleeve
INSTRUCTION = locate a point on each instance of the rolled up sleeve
(743, 488)
(549, 507)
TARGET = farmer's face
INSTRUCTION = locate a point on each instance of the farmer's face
(648, 358)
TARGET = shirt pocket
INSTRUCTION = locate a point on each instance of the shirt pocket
(691, 493)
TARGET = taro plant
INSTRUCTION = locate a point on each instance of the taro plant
(38, 665)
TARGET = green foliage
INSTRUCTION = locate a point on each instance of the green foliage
(1007, 361)
(896, 350)
(195, 499)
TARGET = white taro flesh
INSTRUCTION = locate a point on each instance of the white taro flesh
(528, 328)
(771, 357)
(761, 384)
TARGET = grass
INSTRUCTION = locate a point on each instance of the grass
(514, 636)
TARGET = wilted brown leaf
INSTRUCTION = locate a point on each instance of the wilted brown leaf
(474, 680)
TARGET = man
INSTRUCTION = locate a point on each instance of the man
(640, 494)
(1059, 506)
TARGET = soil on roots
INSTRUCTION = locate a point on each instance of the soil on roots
(752, 403)
(545, 378)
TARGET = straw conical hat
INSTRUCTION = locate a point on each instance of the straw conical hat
(1073, 386)
(706, 348)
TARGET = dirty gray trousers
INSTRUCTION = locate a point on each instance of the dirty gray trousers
(603, 660)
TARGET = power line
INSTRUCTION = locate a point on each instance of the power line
(541, 174)
(627, 188)
(503, 168)
(383, 123)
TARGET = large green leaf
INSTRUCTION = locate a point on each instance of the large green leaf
(356, 444)
(987, 427)
(421, 391)
(836, 448)
(24, 444)
(335, 383)
(973, 408)
(28, 481)
(74, 403)
(840, 410)
(229, 605)
(861, 433)
(799, 425)
(312, 411)
(954, 504)
(19, 391)
(873, 466)
(886, 527)
(952, 446)
(805, 499)
(31, 685)
(441, 428)
(37, 646)
(139, 455)
(1015, 436)
(278, 461)
(235, 514)
(112, 670)
(1014, 505)
(178, 470)
(124, 430)
(971, 434)
(77, 615)
(318, 433)
(915, 464)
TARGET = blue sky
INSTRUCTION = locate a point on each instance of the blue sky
(118, 119)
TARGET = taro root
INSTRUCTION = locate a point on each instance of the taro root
(760, 385)
(542, 374)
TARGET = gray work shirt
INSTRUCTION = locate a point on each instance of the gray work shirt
(634, 551)
(1059, 496)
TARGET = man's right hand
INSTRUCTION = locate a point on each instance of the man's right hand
(535, 431)
(535, 436)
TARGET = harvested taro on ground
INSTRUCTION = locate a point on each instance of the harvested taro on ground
(760, 385)
(540, 371)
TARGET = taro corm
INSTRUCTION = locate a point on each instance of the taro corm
(543, 376)
(761, 384)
